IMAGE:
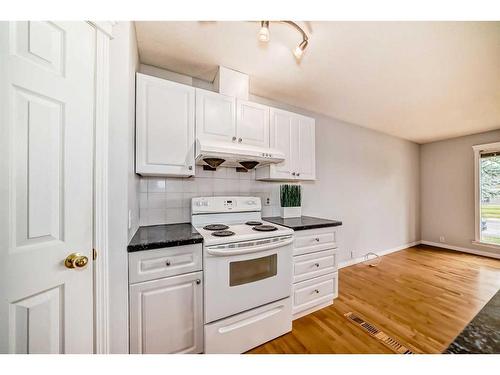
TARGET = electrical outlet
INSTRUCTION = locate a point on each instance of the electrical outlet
(129, 219)
(267, 201)
(442, 239)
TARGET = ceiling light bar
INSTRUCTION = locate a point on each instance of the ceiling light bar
(298, 52)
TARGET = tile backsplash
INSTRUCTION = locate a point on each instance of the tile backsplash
(168, 200)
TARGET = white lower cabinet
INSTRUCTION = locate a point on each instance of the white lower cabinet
(315, 273)
(166, 314)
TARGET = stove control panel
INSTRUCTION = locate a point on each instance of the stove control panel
(224, 204)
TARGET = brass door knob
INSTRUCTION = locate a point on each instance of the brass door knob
(76, 260)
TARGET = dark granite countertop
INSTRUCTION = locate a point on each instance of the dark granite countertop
(303, 222)
(167, 235)
(482, 334)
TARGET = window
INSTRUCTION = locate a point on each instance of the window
(487, 174)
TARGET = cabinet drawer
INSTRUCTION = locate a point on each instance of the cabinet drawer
(154, 264)
(310, 293)
(313, 265)
(314, 240)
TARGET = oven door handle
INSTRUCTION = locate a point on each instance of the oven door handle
(256, 249)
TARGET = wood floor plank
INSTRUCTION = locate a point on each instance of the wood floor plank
(422, 296)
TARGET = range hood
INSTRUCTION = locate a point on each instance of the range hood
(234, 154)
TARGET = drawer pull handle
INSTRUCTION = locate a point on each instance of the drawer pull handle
(316, 239)
(316, 291)
(198, 281)
(316, 264)
(167, 263)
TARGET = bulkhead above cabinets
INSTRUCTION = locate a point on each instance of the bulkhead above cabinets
(178, 126)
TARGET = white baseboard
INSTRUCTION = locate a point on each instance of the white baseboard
(350, 262)
(462, 249)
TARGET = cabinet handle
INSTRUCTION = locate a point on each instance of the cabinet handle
(198, 281)
(316, 239)
(316, 264)
(234, 139)
(316, 291)
(239, 140)
(167, 263)
(293, 173)
(190, 167)
(298, 174)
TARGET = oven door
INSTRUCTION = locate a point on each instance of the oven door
(243, 275)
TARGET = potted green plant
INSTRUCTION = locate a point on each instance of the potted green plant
(290, 199)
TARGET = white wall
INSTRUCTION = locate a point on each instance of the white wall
(123, 183)
(366, 179)
(447, 189)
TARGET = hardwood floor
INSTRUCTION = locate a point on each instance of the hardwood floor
(422, 296)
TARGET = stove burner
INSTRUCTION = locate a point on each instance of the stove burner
(215, 227)
(222, 233)
(253, 223)
(265, 228)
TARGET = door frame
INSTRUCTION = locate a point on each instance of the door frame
(101, 191)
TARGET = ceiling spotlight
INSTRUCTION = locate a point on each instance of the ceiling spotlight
(264, 31)
(299, 51)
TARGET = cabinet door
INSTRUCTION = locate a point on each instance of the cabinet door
(215, 116)
(164, 127)
(166, 315)
(282, 123)
(252, 123)
(306, 161)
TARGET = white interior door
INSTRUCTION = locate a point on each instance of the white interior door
(46, 141)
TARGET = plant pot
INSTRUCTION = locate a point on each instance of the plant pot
(287, 212)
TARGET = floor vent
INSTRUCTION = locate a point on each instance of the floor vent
(378, 334)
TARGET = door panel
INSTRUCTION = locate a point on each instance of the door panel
(215, 116)
(165, 127)
(281, 139)
(166, 315)
(46, 140)
(306, 149)
(252, 123)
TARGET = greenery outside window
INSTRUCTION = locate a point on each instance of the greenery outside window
(487, 187)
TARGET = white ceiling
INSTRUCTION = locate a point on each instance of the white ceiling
(422, 81)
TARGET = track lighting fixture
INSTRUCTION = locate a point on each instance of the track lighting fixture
(298, 52)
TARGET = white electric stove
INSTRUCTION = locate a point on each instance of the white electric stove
(247, 271)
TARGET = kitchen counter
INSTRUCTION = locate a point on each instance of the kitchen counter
(303, 222)
(167, 235)
(482, 334)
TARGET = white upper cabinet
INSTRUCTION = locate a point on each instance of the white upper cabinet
(306, 161)
(252, 123)
(165, 127)
(282, 139)
(215, 116)
(294, 135)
